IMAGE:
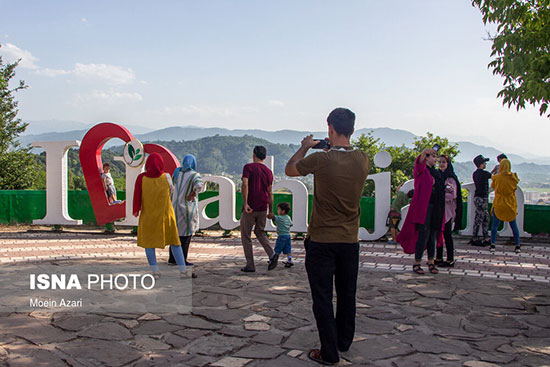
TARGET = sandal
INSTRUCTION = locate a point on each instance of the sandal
(315, 355)
(433, 269)
(417, 269)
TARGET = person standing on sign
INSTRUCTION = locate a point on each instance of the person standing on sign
(257, 201)
(188, 184)
(332, 242)
(157, 222)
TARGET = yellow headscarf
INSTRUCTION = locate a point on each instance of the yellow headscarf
(505, 183)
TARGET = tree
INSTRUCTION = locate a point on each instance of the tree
(521, 48)
(17, 167)
(403, 157)
(428, 141)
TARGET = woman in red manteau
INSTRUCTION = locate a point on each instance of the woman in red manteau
(425, 216)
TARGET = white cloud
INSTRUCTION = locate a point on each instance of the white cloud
(276, 103)
(109, 73)
(52, 73)
(106, 97)
(84, 20)
(14, 53)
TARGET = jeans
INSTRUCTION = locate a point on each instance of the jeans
(328, 265)
(176, 250)
(494, 229)
(449, 244)
(283, 244)
(426, 237)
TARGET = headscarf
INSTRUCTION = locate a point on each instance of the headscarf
(450, 172)
(189, 163)
(505, 183)
(505, 167)
(154, 167)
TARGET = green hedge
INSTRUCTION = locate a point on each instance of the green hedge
(22, 206)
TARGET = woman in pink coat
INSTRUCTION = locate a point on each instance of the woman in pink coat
(425, 216)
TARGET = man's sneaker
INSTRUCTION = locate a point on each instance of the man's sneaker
(492, 248)
(438, 262)
(518, 249)
(477, 243)
(273, 262)
(289, 264)
(486, 243)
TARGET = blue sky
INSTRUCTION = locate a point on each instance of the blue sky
(415, 65)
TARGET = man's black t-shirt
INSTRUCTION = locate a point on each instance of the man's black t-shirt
(481, 181)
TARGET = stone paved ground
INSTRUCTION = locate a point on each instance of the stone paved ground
(491, 310)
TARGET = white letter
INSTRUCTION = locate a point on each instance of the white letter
(57, 211)
(74, 282)
(95, 281)
(382, 185)
(299, 204)
(131, 175)
(143, 281)
(226, 198)
(43, 281)
(32, 281)
(125, 282)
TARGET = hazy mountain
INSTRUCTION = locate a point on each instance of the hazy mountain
(65, 130)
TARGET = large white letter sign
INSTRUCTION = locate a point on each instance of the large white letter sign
(382, 201)
(506, 231)
(226, 201)
(131, 176)
(57, 211)
(299, 205)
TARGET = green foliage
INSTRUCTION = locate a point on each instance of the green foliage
(428, 141)
(403, 158)
(521, 49)
(17, 169)
(225, 154)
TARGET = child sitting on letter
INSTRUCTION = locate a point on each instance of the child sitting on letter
(283, 244)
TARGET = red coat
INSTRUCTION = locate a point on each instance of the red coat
(423, 183)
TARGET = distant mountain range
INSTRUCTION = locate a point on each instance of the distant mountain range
(51, 130)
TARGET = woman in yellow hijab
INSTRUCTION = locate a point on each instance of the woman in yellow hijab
(504, 209)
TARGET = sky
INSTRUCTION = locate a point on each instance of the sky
(414, 65)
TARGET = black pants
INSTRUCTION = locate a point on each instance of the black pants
(426, 237)
(449, 244)
(185, 241)
(329, 264)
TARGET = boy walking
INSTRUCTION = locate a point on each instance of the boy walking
(481, 201)
(283, 244)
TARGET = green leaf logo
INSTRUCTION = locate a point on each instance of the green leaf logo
(131, 151)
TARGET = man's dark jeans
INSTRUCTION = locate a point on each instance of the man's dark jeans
(326, 262)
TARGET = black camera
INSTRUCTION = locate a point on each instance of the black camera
(436, 147)
(322, 144)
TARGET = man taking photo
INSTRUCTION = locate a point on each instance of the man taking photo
(332, 243)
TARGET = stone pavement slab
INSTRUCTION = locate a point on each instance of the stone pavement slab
(451, 319)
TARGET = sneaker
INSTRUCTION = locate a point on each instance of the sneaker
(392, 242)
(289, 264)
(273, 262)
(188, 264)
(248, 270)
(492, 248)
(518, 249)
(448, 264)
(438, 262)
(486, 243)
